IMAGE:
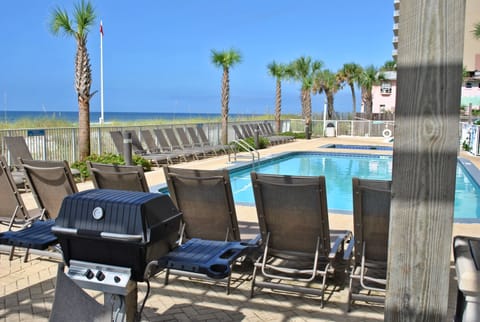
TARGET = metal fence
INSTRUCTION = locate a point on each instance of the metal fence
(62, 143)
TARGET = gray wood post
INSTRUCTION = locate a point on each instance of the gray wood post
(429, 76)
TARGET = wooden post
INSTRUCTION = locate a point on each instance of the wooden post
(429, 76)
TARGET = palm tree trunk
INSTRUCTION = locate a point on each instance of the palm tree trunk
(278, 106)
(308, 113)
(83, 82)
(354, 100)
(225, 99)
(83, 127)
(330, 105)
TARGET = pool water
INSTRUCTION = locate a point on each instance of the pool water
(339, 169)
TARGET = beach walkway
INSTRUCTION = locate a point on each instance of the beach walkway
(27, 289)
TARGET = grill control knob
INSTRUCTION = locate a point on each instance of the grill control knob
(89, 274)
(116, 279)
(100, 276)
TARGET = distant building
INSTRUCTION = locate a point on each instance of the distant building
(384, 94)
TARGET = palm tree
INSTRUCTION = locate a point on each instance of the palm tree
(350, 74)
(476, 31)
(83, 18)
(369, 77)
(302, 70)
(390, 65)
(327, 82)
(279, 72)
(225, 60)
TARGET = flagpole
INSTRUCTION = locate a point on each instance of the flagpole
(101, 120)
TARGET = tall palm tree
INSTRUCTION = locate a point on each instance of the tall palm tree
(369, 77)
(327, 82)
(225, 60)
(279, 72)
(83, 18)
(302, 70)
(350, 74)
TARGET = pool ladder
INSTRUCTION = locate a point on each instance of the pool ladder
(255, 155)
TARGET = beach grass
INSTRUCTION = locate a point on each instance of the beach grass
(51, 122)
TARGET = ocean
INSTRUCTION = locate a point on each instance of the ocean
(72, 116)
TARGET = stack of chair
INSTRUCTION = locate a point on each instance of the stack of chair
(155, 158)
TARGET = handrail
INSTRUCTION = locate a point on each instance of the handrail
(246, 146)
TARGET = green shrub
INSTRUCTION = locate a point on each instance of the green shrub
(109, 158)
(262, 143)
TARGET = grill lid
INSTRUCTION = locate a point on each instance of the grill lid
(114, 214)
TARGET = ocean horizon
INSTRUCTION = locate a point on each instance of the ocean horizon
(72, 116)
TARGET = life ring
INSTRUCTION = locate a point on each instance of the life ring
(387, 133)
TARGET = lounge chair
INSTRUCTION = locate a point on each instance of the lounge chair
(205, 198)
(199, 151)
(151, 145)
(371, 215)
(18, 148)
(225, 148)
(118, 177)
(300, 251)
(175, 144)
(206, 201)
(13, 212)
(167, 148)
(197, 143)
(50, 182)
(137, 148)
(270, 131)
(238, 133)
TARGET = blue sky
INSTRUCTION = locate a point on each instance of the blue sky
(157, 53)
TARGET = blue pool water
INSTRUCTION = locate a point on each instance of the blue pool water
(339, 169)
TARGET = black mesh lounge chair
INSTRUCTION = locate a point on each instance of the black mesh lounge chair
(197, 143)
(167, 148)
(50, 182)
(150, 141)
(175, 144)
(238, 133)
(205, 198)
(206, 201)
(199, 151)
(13, 212)
(299, 249)
(118, 177)
(137, 148)
(274, 139)
(371, 215)
(225, 148)
(18, 148)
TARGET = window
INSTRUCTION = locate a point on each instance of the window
(386, 88)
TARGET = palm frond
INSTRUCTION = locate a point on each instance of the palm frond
(61, 22)
(84, 15)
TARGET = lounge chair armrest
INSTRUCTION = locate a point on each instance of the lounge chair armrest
(340, 237)
(255, 241)
(349, 251)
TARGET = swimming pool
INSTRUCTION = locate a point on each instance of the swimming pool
(339, 168)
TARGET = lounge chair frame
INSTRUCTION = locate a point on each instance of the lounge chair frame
(371, 214)
(298, 244)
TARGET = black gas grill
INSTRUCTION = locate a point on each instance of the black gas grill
(117, 228)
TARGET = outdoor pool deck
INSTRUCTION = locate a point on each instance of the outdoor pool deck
(27, 289)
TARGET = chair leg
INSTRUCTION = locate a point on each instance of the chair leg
(167, 275)
(254, 275)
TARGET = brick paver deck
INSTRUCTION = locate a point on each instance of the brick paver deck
(27, 289)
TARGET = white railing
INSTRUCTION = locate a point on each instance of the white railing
(62, 143)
